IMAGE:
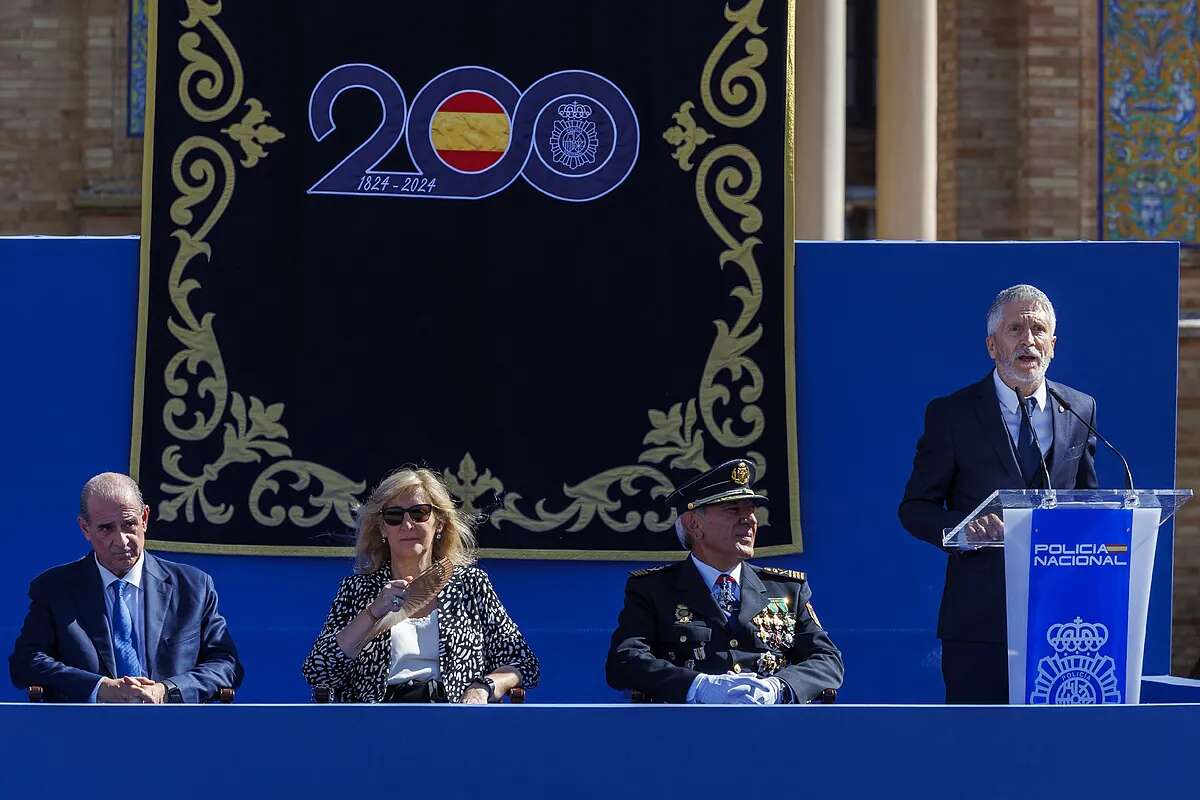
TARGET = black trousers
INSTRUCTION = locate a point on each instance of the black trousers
(975, 672)
(416, 692)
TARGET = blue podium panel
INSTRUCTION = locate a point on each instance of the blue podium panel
(585, 752)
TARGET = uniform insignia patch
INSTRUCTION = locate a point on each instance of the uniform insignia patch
(813, 614)
(640, 573)
(778, 572)
(683, 613)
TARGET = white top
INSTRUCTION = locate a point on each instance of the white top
(1010, 412)
(414, 650)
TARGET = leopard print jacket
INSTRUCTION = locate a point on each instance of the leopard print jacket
(475, 637)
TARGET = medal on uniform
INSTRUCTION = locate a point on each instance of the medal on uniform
(770, 663)
(683, 614)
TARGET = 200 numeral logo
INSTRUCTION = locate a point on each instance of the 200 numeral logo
(470, 133)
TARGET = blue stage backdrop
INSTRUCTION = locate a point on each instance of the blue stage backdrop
(881, 328)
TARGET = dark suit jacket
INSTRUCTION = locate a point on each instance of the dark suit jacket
(657, 653)
(963, 456)
(66, 647)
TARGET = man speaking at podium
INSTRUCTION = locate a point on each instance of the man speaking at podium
(1004, 432)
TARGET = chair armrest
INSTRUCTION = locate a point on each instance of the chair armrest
(515, 695)
(225, 694)
(322, 694)
(825, 697)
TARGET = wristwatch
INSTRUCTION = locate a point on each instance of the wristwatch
(488, 684)
(174, 695)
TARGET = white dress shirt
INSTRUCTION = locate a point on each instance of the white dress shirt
(1010, 412)
(137, 611)
(710, 575)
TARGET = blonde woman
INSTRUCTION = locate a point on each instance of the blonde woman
(459, 646)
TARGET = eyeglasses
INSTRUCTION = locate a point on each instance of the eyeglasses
(394, 515)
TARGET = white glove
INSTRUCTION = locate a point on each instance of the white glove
(764, 691)
(735, 688)
(718, 689)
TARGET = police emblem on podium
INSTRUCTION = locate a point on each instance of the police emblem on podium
(1076, 674)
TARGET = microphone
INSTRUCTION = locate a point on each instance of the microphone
(1062, 402)
(1036, 443)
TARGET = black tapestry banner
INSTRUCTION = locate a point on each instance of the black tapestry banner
(543, 248)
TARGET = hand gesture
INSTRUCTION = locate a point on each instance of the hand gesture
(988, 528)
(390, 598)
(130, 690)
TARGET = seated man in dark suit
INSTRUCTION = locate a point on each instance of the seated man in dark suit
(712, 628)
(992, 435)
(119, 625)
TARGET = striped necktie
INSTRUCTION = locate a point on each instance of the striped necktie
(726, 594)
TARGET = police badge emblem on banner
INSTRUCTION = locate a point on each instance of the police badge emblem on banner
(1078, 629)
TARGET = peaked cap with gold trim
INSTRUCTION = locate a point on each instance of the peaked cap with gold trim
(725, 483)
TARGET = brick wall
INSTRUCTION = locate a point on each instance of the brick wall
(1023, 154)
(986, 147)
(66, 164)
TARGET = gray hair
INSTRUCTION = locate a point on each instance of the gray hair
(685, 541)
(1021, 293)
(109, 486)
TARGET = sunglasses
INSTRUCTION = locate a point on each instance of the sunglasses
(394, 515)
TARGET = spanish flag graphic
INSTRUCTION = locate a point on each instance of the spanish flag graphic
(470, 131)
(1116, 548)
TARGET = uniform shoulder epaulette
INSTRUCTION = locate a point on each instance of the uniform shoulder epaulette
(641, 573)
(778, 572)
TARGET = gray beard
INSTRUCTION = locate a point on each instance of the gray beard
(1011, 377)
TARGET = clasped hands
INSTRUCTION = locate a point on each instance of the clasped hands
(131, 689)
(737, 688)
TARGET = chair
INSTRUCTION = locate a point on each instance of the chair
(324, 694)
(37, 694)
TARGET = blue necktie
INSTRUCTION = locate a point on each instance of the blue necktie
(123, 639)
(1029, 455)
(725, 593)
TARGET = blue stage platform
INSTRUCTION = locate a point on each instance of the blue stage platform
(603, 751)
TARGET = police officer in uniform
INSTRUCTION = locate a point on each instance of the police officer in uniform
(712, 628)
